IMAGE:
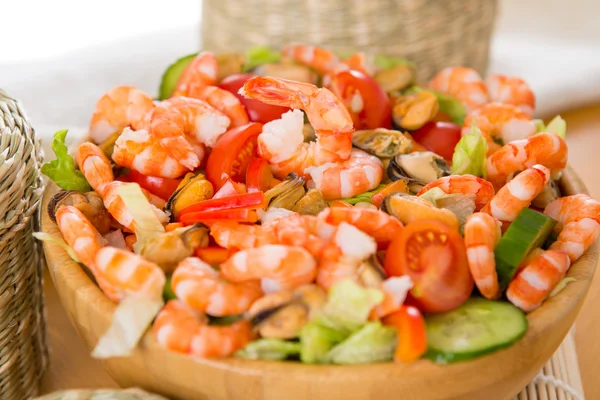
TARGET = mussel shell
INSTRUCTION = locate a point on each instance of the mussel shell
(56, 200)
(287, 193)
(438, 169)
(311, 203)
(550, 193)
(371, 272)
(263, 315)
(192, 189)
(381, 142)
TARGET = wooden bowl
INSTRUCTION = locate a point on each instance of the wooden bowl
(500, 375)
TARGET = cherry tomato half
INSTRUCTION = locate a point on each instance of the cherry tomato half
(257, 110)
(231, 154)
(364, 98)
(259, 176)
(161, 187)
(439, 137)
(434, 256)
(412, 334)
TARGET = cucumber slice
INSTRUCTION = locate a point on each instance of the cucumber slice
(477, 327)
(171, 76)
(528, 231)
(168, 293)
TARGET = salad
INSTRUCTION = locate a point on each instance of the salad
(304, 205)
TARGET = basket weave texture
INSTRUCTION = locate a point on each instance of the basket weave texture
(432, 33)
(23, 352)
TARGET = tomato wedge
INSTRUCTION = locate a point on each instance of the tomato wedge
(257, 110)
(230, 188)
(365, 99)
(245, 200)
(259, 176)
(433, 254)
(214, 255)
(412, 334)
(439, 137)
(236, 214)
(232, 154)
(161, 187)
(394, 187)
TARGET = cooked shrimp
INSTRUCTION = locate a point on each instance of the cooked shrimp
(518, 193)
(536, 280)
(511, 90)
(200, 286)
(278, 267)
(464, 184)
(198, 81)
(465, 84)
(326, 113)
(358, 174)
(380, 226)
(95, 165)
(184, 330)
(544, 148)
(79, 234)
(578, 225)
(340, 260)
(121, 272)
(318, 58)
(177, 118)
(98, 172)
(139, 151)
(229, 234)
(482, 233)
(358, 62)
(502, 122)
(120, 107)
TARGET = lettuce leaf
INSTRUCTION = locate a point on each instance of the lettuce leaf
(372, 343)
(447, 104)
(258, 55)
(364, 197)
(557, 126)
(348, 306)
(387, 62)
(539, 125)
(316, 340)
(46, 237)
(269, 349)
(63, 170)
(470, 154)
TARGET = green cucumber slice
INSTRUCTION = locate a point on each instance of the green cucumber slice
(171, 76)
(528, 231)
(477, 327)
(168, 293)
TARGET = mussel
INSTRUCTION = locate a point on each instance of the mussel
(192, 189)
(408, 208)
(311, 204)
(371, 272)
(395, 78)
(90, 204)
(229, 64)
(287, 193)
(381, 142)
(169, 248)
(108, 145)
(282, 314)
(418, 168)
(415, 110)
(294, 72)
(550, 193)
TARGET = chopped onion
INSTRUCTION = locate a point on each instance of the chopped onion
(116, 239)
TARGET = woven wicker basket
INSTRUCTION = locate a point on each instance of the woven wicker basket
(432, 33)
(23, 352)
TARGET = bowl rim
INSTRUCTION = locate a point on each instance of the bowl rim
(550, 317)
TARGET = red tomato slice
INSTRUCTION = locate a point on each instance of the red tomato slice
(230, 188)
(213, 255)
(259, 176)
(257, 110)
(237, 214)
(412, 335)
(161, 187)
(356, 88)
(439, 137)
(231, 154)
(434, 256)
(246, 200)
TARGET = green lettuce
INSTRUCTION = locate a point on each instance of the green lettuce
(469, 154)
(269, 349)
(258, 55)
(386, 62)
(539, 125)
(63, 170)
(448, 105)
(316, 340)
(364, 197)
(372, 343)
(46, 237)
(348, 306)
(557, 126)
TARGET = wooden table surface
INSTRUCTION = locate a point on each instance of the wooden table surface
(72, 367)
